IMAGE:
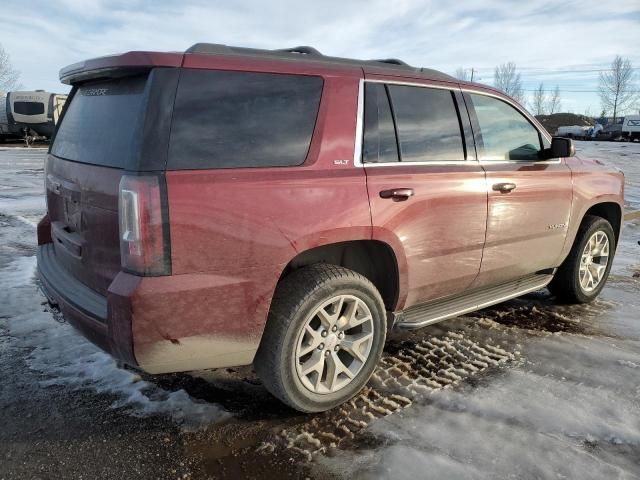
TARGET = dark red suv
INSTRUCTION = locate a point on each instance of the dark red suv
(231, 206)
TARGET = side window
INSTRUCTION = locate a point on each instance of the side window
(428, 124)
(241, 119)
(505, 134)
(379, 143)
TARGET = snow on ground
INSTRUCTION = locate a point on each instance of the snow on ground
(65, 358)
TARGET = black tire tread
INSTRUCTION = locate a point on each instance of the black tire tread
(564, 284)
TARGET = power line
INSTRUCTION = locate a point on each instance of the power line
(533, 71)
(571, 91)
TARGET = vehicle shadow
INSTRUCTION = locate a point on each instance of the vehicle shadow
(541, 312)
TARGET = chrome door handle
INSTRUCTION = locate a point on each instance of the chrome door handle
(504, 187)
(397, 194)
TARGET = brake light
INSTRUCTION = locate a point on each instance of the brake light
(144, 225)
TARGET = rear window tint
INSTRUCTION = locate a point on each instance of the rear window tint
(102, 124)
(242, 119)
(28, 108)
(427, 123)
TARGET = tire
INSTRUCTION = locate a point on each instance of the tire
(566, 284)
(294, 314)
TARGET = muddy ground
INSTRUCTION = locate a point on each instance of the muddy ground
(527, 389)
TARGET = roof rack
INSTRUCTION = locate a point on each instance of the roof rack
(312, 54)
(302, 49)
(393, 61)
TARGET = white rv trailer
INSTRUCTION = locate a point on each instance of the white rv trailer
(631, 127)
(35, 113)
(7, 130)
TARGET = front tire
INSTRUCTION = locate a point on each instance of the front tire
(323, 339)
(582, 276)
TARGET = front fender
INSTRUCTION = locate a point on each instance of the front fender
(593, 184)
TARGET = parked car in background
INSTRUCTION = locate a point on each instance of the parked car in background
(631, 128)
(574, 131)
(611, 132)
(231, 206)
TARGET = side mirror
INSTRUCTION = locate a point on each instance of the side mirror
(562, 147)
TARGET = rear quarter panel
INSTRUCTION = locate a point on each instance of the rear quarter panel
(233, 231)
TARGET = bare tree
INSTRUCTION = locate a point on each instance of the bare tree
(539, 101)
(507, 79)
(467, 74)
(617, 89)
(8, 75)
(462, 74)
(554, 101)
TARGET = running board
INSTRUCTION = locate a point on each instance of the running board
(438, 310)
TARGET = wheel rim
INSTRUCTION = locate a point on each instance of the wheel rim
(594, 261)
(334, 344)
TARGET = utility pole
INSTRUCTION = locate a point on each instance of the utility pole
(472, 71)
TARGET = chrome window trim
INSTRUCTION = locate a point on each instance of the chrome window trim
(359, 136)
(357, 150)
(413, 84)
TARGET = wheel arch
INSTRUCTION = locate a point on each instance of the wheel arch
(611, 212)
(608, 208)
(373, 259)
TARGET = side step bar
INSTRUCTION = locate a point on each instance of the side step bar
(438, 310)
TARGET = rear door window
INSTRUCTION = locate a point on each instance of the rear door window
(505, 134)
(379, 143)
(227, 119)
(102, 125)
(427, 123)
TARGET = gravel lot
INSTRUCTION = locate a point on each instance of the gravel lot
(527, 389)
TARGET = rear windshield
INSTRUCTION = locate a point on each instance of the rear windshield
(242, 119)
(28, 108)
(103, 123)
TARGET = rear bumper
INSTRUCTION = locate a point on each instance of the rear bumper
(105, 321)
(65, 288)
(159, 324)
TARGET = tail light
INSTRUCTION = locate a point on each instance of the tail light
(144, 225)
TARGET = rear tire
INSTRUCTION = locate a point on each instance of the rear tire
(324, 336)
(583, 274)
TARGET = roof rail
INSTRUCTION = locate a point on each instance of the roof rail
(209, 48)
(310, 53)
(392, 61)
(302, 49)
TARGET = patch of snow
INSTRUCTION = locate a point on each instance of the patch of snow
(64, 357)
(18, 272)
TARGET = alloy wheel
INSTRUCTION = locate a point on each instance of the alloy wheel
(594, 261)
(334, 344)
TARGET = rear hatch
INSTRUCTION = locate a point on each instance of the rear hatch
(99, 137)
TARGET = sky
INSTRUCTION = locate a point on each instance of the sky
(558, 43)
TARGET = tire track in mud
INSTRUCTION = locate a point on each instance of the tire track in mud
(414, 371)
